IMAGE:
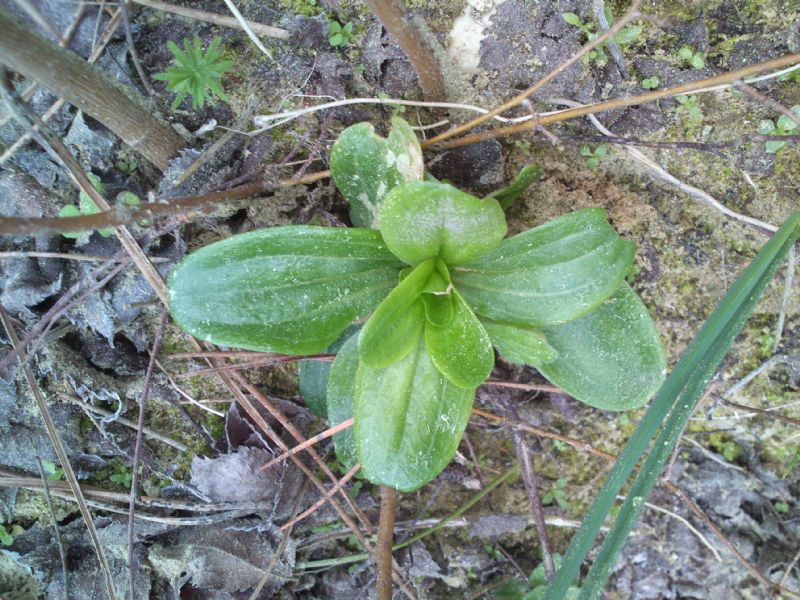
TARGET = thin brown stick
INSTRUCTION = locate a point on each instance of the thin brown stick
(316, 506)
(383, 548)
(254, 364)
(125, 215)
(591, 109)
(418, 48)
(62, 554)
(208, 17)
(531, 387)
(63, 459)
(765, 413)
(531, 481)
(311, 441)
(148, 377)
(631, 15)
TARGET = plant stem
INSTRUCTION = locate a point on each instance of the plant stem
(88, 88)
(383, 549)
(401, 24)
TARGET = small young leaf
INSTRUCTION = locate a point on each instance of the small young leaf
(773, 146)
(685, 53)
(340, 393)
(409, 420)
(283, 289)
(697, 61)
(423, 220)
(571, 18)
(629, 34)
(527, 176)
(520, 345)
(462, 351)
(610, 359)
(392, 330)
(438, 297)
(550, 274)
(366, 167)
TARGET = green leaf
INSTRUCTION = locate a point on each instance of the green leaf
(686, 53)
(672, 407)
(697, 61)
(424, 219)
(521, 345)
(437, 296)
(585, 150)
(527, 176)
(571, 18)
(283, 289)
(628, 35)
(786, 124)
(611, 358)
(773, 146)
(551, 274)
(340, 395)
(337, 39)
(366, 167)
(312, 376)
(392, 330)
(334, 27)
(462, 351)
(409, 420)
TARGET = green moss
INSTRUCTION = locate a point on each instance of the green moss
(308, 8)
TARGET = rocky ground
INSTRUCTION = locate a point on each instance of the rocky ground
(740, 467)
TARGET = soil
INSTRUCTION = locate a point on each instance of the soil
(741, 468)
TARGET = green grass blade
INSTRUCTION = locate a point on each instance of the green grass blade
(678, 395)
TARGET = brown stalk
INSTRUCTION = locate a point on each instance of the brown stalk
(87, 88)
(383, 549)
(418, 48)
(590, 109)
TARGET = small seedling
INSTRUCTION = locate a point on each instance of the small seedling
(8, 533)
(688, 105)
(534, 588)
(694, 59)
(783, 126)
(122, 475)
(593, 157)
(431, 272)
(557, 494)
(781, 507)
(338, 34)
(650, 83)
(127, 167)
(86, 206)
(51, 471)
(728, 448)
(195, 72)
(598, 55)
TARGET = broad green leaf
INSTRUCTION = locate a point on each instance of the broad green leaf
(424, 219)
(551, 274)
(392, 330)
(527, 176)
(462, 351)
(409, 420)
(366, 167)
(669, 412)
(312, 375)
(521, 345)
(611, 358)
(340, 394)
(283, 289)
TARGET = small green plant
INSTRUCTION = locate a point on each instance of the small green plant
(724, 445)
(127, 167)
(557, 494)
(593, 157)
(122, 476)
(8, 533)
(781, 507)
(195, 72)
(339, 35)
(598, 55)
(534, 588)
(688, 106)
(441, 285)
(694, 59)
(51, 471)
(783, 126)
(86, 206)
(651, 83)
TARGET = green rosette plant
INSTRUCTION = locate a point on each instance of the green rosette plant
(436, 284)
